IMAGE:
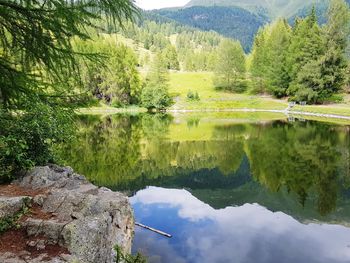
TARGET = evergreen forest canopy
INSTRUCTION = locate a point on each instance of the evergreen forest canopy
(307, 62)
(241, 19)
(233, 22)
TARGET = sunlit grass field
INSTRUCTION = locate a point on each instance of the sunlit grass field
(210, 98)
(337, 109)
(215, 100)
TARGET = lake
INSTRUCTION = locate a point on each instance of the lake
(229, 187)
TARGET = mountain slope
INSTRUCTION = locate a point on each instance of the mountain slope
(272, 8)
(231, 22)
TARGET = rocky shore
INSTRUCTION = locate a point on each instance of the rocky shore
(61, 217)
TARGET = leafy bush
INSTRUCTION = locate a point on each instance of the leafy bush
(155, 97)
(27, 138)
(122, 257)
(193, 96)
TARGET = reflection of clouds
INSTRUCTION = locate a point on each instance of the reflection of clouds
(156, 249)
(249, 233)
(193, 209)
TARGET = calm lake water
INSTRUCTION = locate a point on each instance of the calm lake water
(228, 187)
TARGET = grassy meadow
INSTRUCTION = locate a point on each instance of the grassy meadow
(210, 98)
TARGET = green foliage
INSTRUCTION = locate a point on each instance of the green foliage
(317, 57)
(277, 68)
(27, 138)
(170, 58)
(10, 222)
(37, 55)
(230, 66)
(307, 62)
(39, 73)
(182, 46)
(192, 96)
(117, 82)
(129, 152)
(122, 257)
(155, 95)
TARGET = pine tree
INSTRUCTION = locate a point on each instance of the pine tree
(277, 76)
(170, 57)
(259, 62)
(307, 43)
(155, 95)
(37, 56)
(334, 63)
(306, 48)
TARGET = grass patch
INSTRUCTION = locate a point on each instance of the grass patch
(107, 110)
(200, 126)
(210, 98)
(341, 109)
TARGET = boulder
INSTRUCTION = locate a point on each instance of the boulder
(10, 206)
(72, 213)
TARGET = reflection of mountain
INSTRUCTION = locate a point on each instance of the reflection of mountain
(299, 168)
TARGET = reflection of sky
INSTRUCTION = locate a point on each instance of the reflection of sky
(249, 233)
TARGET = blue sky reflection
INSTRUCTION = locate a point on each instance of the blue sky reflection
(249, 233)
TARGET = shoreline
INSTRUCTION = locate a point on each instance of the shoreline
(288, 113)
(285, 112)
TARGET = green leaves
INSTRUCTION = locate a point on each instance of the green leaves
(36, 54)
(230, 65)
(26, 138)
(308, 62)
(155, 95)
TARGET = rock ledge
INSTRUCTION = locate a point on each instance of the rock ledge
(70, 219)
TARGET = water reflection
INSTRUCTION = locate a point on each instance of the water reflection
(256, 191)
(248, 233)
(309, 160)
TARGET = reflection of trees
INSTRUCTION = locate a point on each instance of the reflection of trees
(114, 151)
(308, 159)
(304, 157)
(100, 151)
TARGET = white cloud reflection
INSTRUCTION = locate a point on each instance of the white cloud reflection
(249, 233)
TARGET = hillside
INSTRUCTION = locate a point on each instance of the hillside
(271, 8)
(240, 19)
(233, 22)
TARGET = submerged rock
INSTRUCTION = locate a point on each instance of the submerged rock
(72, 214)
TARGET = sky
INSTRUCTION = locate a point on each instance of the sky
(157, 4)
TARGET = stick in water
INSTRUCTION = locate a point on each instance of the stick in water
(154, 230)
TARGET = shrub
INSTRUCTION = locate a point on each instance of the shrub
(193, 96)
(27, 138)
(122, 257)
(155, 97)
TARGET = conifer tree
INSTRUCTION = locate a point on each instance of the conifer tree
(37, 56)
(259, 62)
(170, 58)
(276, 63)
(155, 95)
(306, 48)
(334, 63)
